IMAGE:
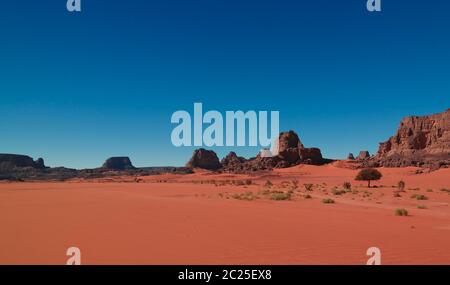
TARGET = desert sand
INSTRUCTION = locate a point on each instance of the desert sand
(206, 218)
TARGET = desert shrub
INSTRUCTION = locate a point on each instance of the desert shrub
(247, 196)
(268, 184)
(280, 196)
(397, 195)
(419, 197)
(368, 174)
(308, 186)
(421, 207)
(328, 201)
(414, 189)
(294, 184)
(248, 182)
(401, 212)
(429, 190)
(347, 186)
(338, 192)
(401, 186)
(238, 182)
(307, 196)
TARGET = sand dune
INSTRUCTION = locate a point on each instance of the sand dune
(198, 219)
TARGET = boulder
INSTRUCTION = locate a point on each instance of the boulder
(289, 145)
(311, 155)
(206, 159)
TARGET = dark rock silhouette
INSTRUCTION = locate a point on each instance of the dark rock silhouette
(350, 156)
(206, 159)
(118, 163)
(17, 160)
(291, 152)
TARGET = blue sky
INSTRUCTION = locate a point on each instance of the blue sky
(78, 88)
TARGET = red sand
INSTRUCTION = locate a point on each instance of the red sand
(173, 219)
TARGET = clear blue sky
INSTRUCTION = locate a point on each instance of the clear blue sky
(78, 88)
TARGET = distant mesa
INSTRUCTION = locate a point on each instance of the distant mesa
(350, 156)
(118, 163)
(206, 159)
(9, 161)
(419, 141)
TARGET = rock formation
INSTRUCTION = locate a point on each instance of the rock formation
(291, 152)
(118, 163)
(8, 161)
(363, 155)
(350, 156)
(419, 141)
(206, 159)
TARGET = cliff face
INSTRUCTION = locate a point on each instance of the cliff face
(420, 140)
(8, 161)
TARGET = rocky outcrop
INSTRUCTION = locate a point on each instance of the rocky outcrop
(419, 141)
(289, 145)
(291, 152)
(311, 155)
(363, 155)
(118, 163)
(8, 161)
(350, 156)
(206, 159)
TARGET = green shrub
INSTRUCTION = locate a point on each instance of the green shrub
(419, 197)
(338, 192)
(247, 196)
(280, 196)
(368, 175)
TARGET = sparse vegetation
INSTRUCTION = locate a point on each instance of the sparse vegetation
(308, 186)
(268, 184)
(347, 186)
(414, 189)
(421, 207)
(419, 197)
(328, 201)
(280, 196)
(307, 196)
(247, 196)
(338, 192)
(401, 212)
(368, 174)
(401, 186)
